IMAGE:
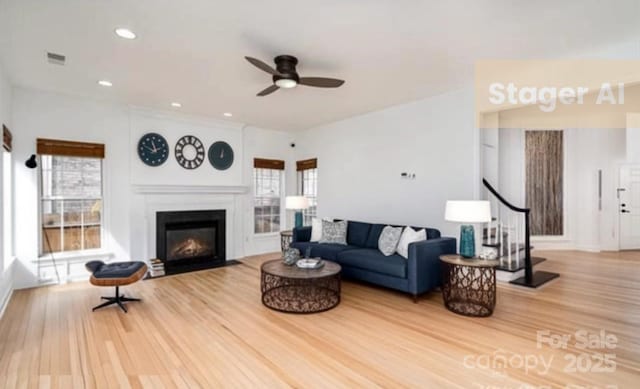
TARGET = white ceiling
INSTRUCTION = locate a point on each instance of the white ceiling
(192, 51)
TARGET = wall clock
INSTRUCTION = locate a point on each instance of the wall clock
(153, 149)
(221, 155)
(189, 152)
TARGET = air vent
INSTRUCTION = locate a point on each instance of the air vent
(57, 59)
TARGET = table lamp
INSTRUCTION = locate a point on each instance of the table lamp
(297, 203)
(468, 212)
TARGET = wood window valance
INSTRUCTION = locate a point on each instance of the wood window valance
(263, 163)
(307, 164)
(7, 138)
(69, 148)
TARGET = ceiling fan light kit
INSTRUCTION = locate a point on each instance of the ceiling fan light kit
(285, 75)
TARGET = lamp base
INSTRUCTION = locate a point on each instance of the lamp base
(467, 242)
(298, 219)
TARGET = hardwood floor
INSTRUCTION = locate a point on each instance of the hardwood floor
(209, 329)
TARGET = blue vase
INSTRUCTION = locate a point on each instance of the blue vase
(298, 219)
(467, 242)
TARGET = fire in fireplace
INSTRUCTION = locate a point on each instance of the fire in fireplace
(190, 243)
(190, 240)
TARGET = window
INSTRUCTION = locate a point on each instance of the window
(70, 196)
(308, 187)
(267, 178)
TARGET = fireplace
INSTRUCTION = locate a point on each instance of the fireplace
(190, 240)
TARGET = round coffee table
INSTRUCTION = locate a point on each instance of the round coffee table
(469, 285)
(295, 290)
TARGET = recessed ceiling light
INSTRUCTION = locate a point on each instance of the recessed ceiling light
(176, 105)
(228, 114)
(125, 33)
(105, 83)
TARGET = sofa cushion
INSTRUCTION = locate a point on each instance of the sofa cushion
(327, 251)
(374, 235)
(357, 233)
(373, 260)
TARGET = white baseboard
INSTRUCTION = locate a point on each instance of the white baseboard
(6, 288)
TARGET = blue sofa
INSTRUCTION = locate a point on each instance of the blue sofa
(361, 260)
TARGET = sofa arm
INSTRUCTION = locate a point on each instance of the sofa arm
(423, 265)
(301, 234)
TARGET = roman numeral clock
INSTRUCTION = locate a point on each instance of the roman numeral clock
(189, 152)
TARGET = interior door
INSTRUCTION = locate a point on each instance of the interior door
(629, 207)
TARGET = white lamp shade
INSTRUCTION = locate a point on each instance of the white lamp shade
(468, 211)
(296, 202)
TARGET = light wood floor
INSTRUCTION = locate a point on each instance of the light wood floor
(209, 329)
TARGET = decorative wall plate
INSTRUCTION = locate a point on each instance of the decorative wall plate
(221, 155)
(189, 152)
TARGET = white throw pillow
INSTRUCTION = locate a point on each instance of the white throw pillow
(388, 241)
(316, 229)
(409, 235)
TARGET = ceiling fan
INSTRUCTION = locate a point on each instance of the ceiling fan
(285, 75)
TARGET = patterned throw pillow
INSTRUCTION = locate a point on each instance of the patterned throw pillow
(409, 235)
(388, 240)
(334, 232)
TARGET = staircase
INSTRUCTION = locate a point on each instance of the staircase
(509, 233)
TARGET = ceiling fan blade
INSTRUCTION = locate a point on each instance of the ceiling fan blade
(262, 66)
(321, 82)
(268, 90)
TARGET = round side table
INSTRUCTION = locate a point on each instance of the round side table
(469, 285)
(285, 239)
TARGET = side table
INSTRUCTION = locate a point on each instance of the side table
(469, 285)
(285, 239)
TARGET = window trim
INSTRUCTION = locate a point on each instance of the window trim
(8, 213)
(301, 167)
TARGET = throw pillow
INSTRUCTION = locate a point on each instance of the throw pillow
(388, 240)
(409, 235)
(334, 232)
(316, 229)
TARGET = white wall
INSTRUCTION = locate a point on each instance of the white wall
(48, 115)
(633, 137)
(586, 152)
(6, 276)
(360, 161)
(132, 188)
(272, 145)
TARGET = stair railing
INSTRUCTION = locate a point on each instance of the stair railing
(515, 229)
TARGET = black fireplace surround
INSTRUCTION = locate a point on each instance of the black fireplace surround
(190, 240)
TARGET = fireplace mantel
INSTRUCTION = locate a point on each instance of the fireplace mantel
(189, 189)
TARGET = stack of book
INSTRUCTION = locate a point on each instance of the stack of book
(157, 268)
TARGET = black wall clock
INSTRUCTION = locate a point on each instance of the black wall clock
(221, 155)
(189, 152)
(153, 149)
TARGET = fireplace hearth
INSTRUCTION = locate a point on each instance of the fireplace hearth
(190, 240)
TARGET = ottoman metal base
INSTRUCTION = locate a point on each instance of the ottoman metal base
(117, 299)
